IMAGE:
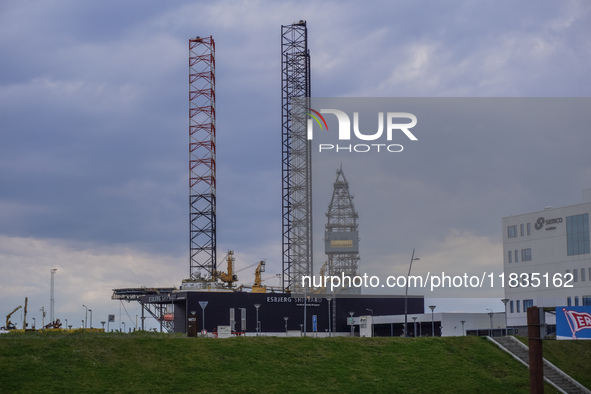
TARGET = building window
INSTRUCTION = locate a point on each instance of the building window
(516, 257)
(582, 274)
(576, 300)
(575, 275)
(577, 234)
(529, 229)
(527, 304)
(526, 254)
(568, 302)
(510, 257)
(512, 231)
(586, 300)
(521, 229)
(517, 303)
(511, 306)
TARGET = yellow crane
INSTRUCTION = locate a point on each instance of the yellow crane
(9, 325)
(228, 277)
(258, 282)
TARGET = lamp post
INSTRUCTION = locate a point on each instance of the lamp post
(351, 321)
(414, 319)
(66, 322)
(123, 325)
(286, 318)
(257, 306)
(432, 320)
(412, 258)
(103, 323)
(463, 332)
(329, 315)
(505, 301)
(85, 315)
(371, 311)
(35, 324)
(203, 305)
(490, 314)
(305, 303)
(90, 310)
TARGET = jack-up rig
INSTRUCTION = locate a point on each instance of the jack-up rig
(208, 298)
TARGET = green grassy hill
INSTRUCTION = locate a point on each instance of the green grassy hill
(98, 362)
(573, 357)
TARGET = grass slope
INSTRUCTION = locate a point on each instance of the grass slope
(98, 362)
(573, 357)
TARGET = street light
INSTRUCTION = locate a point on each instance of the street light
(412, 258)
(414, 319)
(490, 314)
(35, 324)
(463, 332)
(329, 316)
(103, 323)
(66, 322)
(123, 325)
(305, 306)
(85, 315)
(90, 310)
(432, 320)
(505, 301)
(257, 306)
(351, 321)
(371, 310)
(286, 318)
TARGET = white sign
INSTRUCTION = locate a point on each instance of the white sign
(224, 331)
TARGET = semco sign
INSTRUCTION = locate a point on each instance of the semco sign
(389, 125)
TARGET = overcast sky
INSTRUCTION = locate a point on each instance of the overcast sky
(94, 126)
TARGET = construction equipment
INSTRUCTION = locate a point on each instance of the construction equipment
(228, 277)
(258, 282)
(9, 325)
(55, 324)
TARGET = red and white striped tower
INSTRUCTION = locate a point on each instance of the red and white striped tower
(202, 165)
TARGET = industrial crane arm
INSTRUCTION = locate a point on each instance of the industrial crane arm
(8, 323)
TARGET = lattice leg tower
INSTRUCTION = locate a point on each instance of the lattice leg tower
(296, 158)
(202, 164)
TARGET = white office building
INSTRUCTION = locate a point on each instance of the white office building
(547, 261)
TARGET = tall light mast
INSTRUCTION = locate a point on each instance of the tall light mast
(202, 158)
(51, 296)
